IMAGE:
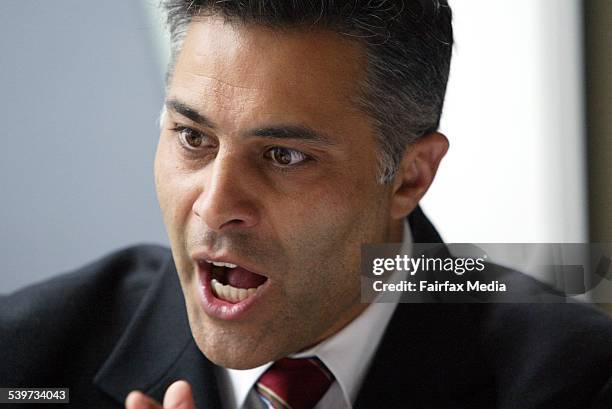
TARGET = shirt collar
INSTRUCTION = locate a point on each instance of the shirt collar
(347, 353)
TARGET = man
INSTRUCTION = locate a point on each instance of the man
(293, 132)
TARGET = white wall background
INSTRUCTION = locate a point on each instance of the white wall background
(515, 171)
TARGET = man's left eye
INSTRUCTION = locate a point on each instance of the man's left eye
(285, 156)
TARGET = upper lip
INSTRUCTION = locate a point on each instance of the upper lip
(206, 257)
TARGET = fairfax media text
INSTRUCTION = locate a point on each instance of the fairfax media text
(439, 286)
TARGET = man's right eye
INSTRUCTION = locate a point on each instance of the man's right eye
(190, 138)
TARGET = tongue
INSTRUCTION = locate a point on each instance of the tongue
(240, 278)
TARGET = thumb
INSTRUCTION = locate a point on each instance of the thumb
(179, 396)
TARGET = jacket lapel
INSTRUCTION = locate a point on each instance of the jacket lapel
(157, 348)
(428, 356)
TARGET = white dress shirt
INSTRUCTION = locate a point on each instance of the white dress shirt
(347, 354)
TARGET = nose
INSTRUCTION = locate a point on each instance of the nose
(227, 199)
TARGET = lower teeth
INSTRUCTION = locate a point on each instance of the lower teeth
(229, 293)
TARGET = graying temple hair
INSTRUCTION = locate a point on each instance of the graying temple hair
(408, 46)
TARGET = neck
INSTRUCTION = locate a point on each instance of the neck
(396, 231)
(350, 315)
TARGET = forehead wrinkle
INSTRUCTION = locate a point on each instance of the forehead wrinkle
(226, 83)
(221, 92)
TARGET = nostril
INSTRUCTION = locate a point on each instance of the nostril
(230, 210)
(235, 221)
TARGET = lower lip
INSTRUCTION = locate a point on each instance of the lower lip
(218, 308)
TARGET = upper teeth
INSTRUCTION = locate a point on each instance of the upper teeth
(222, 264)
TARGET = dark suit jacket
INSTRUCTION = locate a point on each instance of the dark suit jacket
(120, 324)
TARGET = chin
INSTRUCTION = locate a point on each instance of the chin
(229, 355)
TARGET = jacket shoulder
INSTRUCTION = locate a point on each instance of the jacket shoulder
(125, 270)
(550, 354)
(74, 317)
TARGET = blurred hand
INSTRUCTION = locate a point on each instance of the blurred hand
(178, 396)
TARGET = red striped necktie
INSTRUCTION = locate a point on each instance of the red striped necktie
(294, 383)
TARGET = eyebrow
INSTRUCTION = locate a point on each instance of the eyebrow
(299, 132)
(189, 112)
(281, 131)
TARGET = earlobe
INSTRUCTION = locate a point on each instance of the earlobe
(416, 172)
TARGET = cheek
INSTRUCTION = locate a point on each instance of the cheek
(174, 192)
(327, 227)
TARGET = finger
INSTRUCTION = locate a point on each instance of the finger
(138, 400)
(179, 396)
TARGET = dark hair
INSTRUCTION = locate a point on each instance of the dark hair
(408, 44)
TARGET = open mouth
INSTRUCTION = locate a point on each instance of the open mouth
(232, 283)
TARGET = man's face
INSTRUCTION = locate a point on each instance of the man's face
(265, 162)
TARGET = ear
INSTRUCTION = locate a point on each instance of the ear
(416, 173)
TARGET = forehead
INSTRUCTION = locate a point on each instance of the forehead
(233, 69)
